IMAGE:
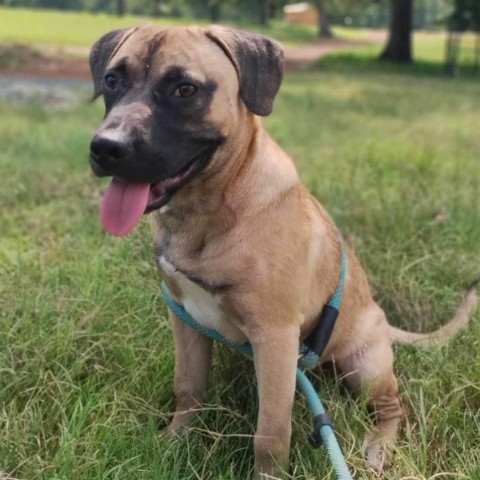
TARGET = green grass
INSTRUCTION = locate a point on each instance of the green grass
(33, 26)
(428, 54)
(86, 353)
(82, 29)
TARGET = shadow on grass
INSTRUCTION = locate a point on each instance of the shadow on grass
(355, 63)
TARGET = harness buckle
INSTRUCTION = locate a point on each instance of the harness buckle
(318, 338)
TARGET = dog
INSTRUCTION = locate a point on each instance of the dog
(240, 243)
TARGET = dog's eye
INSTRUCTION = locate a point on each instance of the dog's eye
(110, 81)
(185, 90)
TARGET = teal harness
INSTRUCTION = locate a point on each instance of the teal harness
(310, 352)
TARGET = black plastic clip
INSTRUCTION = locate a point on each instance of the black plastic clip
(318, 422)
(318, 338)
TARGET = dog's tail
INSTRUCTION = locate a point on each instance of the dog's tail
(444, 333)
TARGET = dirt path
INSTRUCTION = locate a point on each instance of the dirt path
(71, 62)
(303, 56)
(58, 76)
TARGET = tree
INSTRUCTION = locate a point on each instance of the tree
(324, 29)
(121, 7)
(264, 11)
(399, 45)
(157, 8)
(465, 17)
(214, 8)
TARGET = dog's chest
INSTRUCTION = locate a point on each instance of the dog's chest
(205, 307)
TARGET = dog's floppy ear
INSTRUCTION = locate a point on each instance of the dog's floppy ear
(259, 64)
(102, 52)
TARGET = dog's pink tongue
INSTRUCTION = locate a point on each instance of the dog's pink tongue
(123, 206)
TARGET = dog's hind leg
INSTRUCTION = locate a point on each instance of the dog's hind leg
(193, 355)
(370, 371)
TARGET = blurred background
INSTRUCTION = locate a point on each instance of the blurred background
(42, 39)
(380, 110)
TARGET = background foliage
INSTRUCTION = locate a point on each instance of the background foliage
(367, 13)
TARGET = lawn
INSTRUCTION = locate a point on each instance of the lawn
(82, 29)
(86, 352)
(428, 53)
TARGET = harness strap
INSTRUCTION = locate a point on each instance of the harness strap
(320, 335)
(311, 350)
(318, 338)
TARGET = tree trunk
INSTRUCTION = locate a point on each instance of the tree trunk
(264, 11)
(157, 10)
(399, 45)
(121, 7)
(215, 13)
(324, 29)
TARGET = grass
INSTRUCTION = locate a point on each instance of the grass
(39, 27)
(428, 53)
(86, 353)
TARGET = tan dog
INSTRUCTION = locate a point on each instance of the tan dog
(240, 242)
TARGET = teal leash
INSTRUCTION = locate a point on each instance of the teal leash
(323, 433)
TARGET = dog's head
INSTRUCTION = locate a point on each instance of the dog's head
(174, 98)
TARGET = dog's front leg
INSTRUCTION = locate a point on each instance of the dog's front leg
(275, 357)
(193, 355)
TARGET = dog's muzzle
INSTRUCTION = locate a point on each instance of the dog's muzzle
(107, 154)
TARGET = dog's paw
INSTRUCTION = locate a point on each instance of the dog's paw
(174, 432)
(265, 476)
(167, 434)
(377, 452)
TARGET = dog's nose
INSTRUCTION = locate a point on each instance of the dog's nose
(109, 152)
